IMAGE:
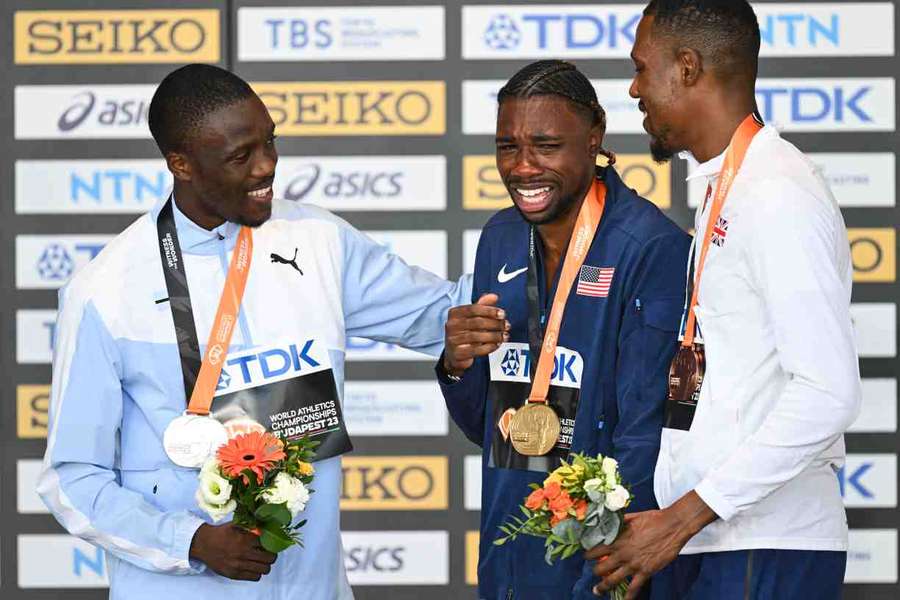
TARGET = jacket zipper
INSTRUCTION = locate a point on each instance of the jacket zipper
(749, 577)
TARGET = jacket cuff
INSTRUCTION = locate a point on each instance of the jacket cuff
(715, 500)
(443, 376)
(181, 545)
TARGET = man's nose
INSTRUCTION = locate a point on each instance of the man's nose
(633, 90)
(525, 165)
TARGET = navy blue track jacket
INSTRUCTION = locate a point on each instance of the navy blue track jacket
(608, 385)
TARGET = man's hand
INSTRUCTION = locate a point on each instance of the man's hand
(649, 541)
(472, 331)
(231, 552)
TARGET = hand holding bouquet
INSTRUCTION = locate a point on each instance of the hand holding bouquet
(578, 507)
(264, 481)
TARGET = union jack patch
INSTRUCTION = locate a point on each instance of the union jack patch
(719, 232)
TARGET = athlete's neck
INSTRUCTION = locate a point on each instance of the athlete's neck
(714, 128)
(555, 237)
(190, 206)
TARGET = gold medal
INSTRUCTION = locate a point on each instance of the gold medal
(534, 429)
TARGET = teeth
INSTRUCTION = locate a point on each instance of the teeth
(532, 193)
(260, 193)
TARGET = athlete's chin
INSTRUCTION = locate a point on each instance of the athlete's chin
(256, 217)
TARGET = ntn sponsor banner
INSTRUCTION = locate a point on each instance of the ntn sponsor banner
(60, 561)
(875, 324)
(359, 33)
(403, 408)
(878, 413)
(49, 261)
(869, 480)
(872, 556)
(27, 499)
(35, 329)
(396, 557)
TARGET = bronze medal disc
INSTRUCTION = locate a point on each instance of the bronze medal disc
(686, 374)
(534, 429)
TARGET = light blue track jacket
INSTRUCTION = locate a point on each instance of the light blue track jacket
(117, 383)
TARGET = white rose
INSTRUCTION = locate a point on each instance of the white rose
(610, 468)
(216, 511)
(214, 488)
(594, 489)
(287, 490)
(617, 498)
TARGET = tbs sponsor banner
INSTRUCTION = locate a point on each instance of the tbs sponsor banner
(32, 411)
(404, 408)
(872, 556)
(879, 407)
(90, 186)
(27, 500)
(60, 561)
(57, 112)
(863, 179)
(116, 36)
(357, 33)
(397, 557)
(394, 483)
(875, 324)
(364, 183)
(337, 108)
(34, 336)
(472, 482)
(869, 481)
(49, 261)
(874, 254)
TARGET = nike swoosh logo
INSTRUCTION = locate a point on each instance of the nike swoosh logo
(503, 276)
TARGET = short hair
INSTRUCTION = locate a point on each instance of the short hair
(186, 97)
(556, 78)
(725, 32)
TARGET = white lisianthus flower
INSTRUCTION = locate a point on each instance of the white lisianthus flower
(610, 468)
(617, 498)
(216, 511)
(215, 489)
(287, 490)
(594, 489)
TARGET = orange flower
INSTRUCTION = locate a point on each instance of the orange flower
(561, 503)
(552, 490)
(535, 500)
(257, 451)
(580, 509)
(557, 518)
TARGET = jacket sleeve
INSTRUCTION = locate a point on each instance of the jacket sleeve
(78, 482)
(801, 271)
(387, 300)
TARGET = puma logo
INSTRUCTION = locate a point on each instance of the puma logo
(293, 262)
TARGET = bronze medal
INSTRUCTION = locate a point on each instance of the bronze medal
(686, 374)
(534, 429)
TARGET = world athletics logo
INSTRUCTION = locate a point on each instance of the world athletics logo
(502, 33)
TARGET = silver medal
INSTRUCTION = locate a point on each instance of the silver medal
(191, 439)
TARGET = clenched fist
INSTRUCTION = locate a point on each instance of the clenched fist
(231, 552)
(472, 331)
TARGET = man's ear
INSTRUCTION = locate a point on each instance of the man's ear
(690, 66)
(179, 165)
(595, 138)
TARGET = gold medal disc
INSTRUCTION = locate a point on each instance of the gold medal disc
(534, 429)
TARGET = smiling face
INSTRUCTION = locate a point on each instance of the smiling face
(230, 163)
(546, 153)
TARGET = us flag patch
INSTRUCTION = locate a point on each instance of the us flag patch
(719, 232)
(594, 281)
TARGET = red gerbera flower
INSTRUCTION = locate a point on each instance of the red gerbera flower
(257, 451)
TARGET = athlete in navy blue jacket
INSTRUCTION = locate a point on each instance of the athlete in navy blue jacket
(618, 333)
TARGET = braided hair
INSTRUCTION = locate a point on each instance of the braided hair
(558, 78)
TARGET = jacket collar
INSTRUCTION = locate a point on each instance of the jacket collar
(196, 239)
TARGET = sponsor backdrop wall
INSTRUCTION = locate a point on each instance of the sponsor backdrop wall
(385, 115)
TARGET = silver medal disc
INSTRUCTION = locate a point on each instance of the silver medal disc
(190, 439)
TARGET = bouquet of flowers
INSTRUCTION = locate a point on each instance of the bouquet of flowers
(264, 481)
(578, 507)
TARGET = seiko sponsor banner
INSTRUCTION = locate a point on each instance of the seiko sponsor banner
(27, 500)
(879, 407)
(472, 482)
(397, 557)
(48, 261)
(380, 408)
(336, 108)
(470, 249)
(116, 36)
(472, 540)
(872, 556)
(874, 252)
(51, 112)
(32, 411)
(857, 179)
(875, 324)
(357, 33)
(90, 186)
(484, 190)
(364, 183)
(394, 483)
(848, 104)
(869, 481)
(60, 561)
(34, 336)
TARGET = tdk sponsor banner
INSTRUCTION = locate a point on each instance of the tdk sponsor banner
(34, 336)
(396, 557)
(869, 481)
(394, 483)
(364, 183)
(872, 556)
(512, 362)
(879, 407)
(875, 324)
(472, 482)
(859, 179)
(27, 500)
(405, 408)
(90, 186)
(48, 261)
(55, 112)
(357, 33)
(54, 561)
(337, 108)
(116, 36)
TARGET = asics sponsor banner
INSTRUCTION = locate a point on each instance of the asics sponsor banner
(116, 36)
(49, 261)
(35, 330)
(470, 249)
(402, 408)
(86, 111)
(869, 480)
(397, 557)
(90, 186)
(875, 324)
(879, 407)
(27, 500)
(872, 556)
(358, 33)
(364, 183)
(60, 561)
